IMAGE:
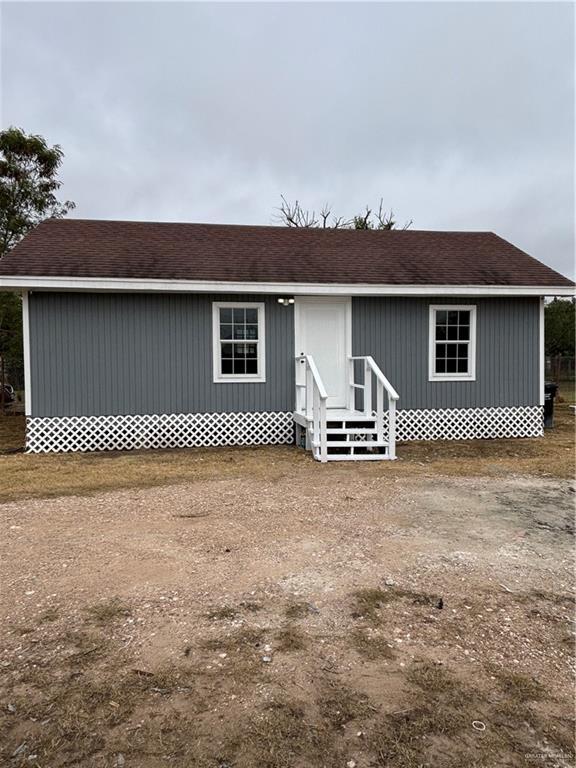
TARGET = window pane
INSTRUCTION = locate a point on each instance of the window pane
(440, 332)
(251, 366)
(463, 351)
(464, 333)
(226, 350)
(462, 365)
(226, 366)
(440, 365)
(251, 315)
(239, 366)
(451, 365)
(225, 315)
(452, 318)
(251, 331)
(440, 350)
(464, 317)
(239, 331)
(251, 350)
(441, 317)
(452, 332)
(239, 314)
(225, 331)
(239, 350)
(451, 350)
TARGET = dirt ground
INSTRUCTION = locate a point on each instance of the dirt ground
(252, 608)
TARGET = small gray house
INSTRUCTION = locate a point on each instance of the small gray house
(147, 335)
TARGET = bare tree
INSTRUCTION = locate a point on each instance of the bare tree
(294, 215)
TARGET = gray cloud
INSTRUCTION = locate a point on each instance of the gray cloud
(459, 114)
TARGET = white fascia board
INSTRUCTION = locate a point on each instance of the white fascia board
(298, 289)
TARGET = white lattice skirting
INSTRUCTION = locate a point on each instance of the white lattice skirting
(190, 430)
(184, 430)
(469, 423)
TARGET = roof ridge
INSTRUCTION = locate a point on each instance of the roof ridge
(280, 227)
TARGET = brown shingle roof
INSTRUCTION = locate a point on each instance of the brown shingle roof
(215, 252)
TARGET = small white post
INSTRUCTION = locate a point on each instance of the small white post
(309, 394)
(317, 448)
(391, 428)
(367, 388)
(351, 387)
(323, 435)
(379, 411)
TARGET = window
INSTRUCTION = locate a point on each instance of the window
(238, 335)
(452, 343)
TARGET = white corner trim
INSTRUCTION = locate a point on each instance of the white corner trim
(26, 349)
(122, 285)
(238, 378)
(432, 375)
(541, 351)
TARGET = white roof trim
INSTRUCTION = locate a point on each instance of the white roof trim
(11, 282)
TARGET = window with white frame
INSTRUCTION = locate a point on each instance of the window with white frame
(452, 342)
(238, 341)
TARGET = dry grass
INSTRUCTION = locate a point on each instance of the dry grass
(295, 610)
(83, 708)
(25, 476)
(519, 687)
(241, 640)
(290, 639)
(370, 645)
(222, 613)
(108, 612)
(282, 736)
(367, 602)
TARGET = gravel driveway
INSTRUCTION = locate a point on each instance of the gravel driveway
(220, 616)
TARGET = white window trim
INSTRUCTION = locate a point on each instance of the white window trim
(432, 375)
(235, 378)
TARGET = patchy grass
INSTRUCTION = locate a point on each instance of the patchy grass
(367, 602)
(340, 705)
(282, 736)
(25, 476)
(222, 613)
(240, 640)
(252, 606)
(370, 645)
(108, 612)
(519, 687)
(296, 610)
(49, 615)
(290, 639)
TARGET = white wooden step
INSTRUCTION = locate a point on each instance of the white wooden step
(356, 457)
(350, 431)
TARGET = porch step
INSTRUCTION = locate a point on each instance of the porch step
(351, 431)
(353, 444)
(358, 457)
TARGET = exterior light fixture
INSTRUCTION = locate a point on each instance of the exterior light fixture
(285, 302)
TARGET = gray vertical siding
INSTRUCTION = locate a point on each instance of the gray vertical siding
(108, 354)
(111, 354)
(395, 332)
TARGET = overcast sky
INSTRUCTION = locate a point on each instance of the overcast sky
(459, 115)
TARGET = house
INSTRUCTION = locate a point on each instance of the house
(155, 335)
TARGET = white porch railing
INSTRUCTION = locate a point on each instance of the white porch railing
(311, 397)
(371, 374)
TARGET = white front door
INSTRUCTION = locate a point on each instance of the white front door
(323, 330)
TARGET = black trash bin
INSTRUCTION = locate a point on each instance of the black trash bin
(550, 390)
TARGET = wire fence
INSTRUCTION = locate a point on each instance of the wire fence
(560, 368)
